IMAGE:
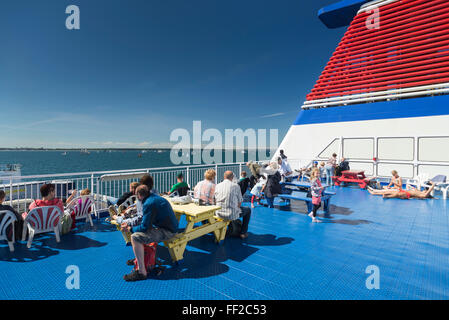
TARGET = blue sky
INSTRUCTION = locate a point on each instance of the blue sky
(138, 69)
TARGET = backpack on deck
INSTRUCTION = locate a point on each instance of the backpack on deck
(150, 256)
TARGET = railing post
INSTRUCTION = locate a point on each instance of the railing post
(98, 186)
(10, 192)
(240, 170)
(375, 162)
(188, 176)
(216, 173)
(415, 156)
(92, 183)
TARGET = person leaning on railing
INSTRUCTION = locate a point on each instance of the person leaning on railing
(18, 225)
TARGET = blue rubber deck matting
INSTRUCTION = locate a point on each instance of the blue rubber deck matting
(285, 257)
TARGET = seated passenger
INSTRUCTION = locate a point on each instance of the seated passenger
(343, 166)
(48, 199)
(18, 225)
(84, 192)
(181, 187)
(395, 182)
(205, 189)
(159, 224)
(243, 182)
(229, 197)
(394, 185)
(132, 191)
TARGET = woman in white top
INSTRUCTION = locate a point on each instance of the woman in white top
(330, 169)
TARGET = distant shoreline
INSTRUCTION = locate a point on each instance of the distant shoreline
(107, 149)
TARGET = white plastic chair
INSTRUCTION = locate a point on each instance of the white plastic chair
(418, 182)
(41, 220)
(129, 202)
(8, 220)
(81, 206)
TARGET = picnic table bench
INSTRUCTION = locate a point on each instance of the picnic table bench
(302, 196)
(299, 192)
(194, 214)
(353, 176)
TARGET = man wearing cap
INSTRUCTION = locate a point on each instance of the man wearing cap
(181, 187)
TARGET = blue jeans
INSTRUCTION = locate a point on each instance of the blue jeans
(270, 202)
(329, 175)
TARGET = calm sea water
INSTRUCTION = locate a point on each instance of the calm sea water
(53, 162)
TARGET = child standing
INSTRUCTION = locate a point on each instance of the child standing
(316, 190)
(256, 191)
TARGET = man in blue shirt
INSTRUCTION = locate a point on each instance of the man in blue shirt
(159, 223)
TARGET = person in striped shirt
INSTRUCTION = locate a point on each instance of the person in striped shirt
(229, 197)
(205, 189)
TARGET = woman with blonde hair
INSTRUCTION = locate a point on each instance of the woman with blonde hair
(316, 189)
(394, 185)
(205, 189)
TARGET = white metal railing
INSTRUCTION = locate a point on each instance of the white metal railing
(22, 190)
(378, 96)
(375, 162)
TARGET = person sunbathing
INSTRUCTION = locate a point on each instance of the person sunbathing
(404, 194)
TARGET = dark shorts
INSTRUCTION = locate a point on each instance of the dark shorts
(152, 235)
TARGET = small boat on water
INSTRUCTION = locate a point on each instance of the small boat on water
(64, 153)
(85, 151)
(10, 170)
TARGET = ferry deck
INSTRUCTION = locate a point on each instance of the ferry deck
(285, 257)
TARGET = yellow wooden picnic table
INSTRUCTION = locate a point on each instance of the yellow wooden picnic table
(195, 214)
